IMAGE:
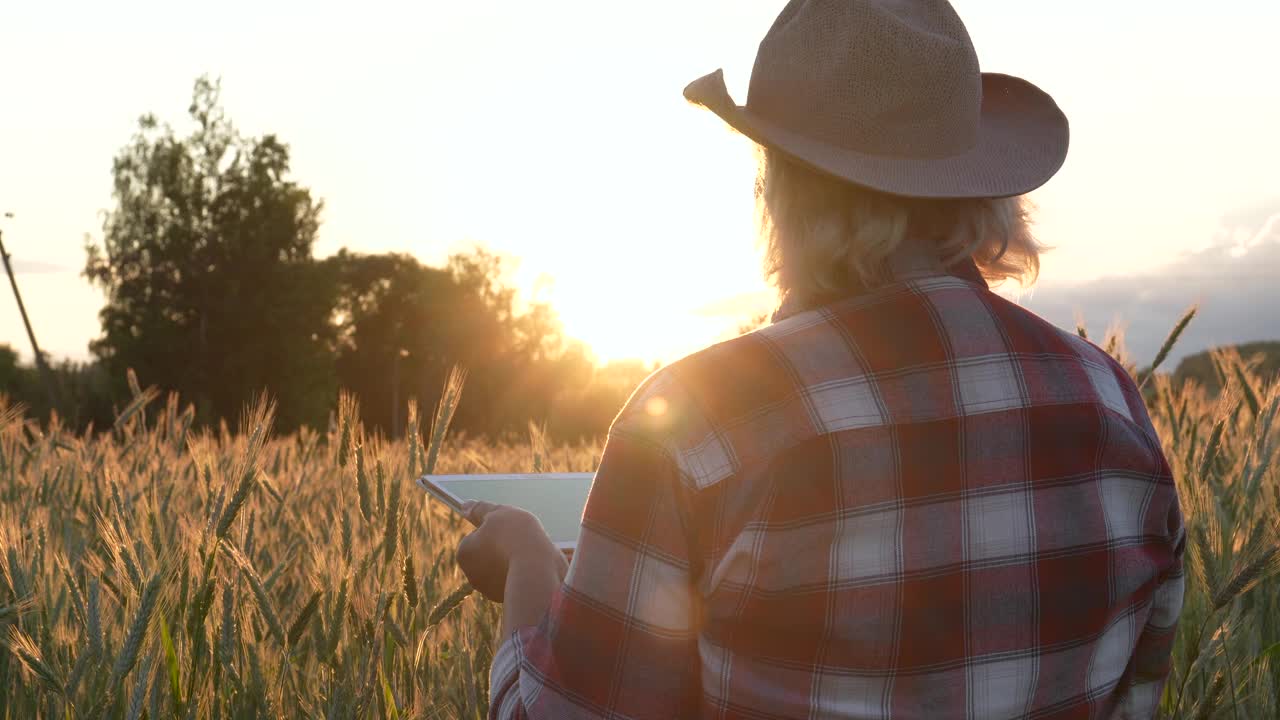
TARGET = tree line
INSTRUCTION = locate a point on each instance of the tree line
(213, 291)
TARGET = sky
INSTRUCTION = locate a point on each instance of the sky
(555, 134)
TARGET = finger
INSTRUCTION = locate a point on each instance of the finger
(483, 571)
(477, 510)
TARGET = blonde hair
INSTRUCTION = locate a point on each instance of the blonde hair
(825, 238)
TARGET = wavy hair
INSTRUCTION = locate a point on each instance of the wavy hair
(825, 238)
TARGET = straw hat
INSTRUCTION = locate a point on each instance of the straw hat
(887, 94)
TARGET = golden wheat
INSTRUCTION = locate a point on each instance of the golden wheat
(149, 571)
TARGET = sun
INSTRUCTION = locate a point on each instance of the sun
(636, 245)
(636, 323)
(659, 306)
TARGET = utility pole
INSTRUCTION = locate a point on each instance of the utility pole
(45, 373)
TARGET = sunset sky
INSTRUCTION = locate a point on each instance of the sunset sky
(555, 134)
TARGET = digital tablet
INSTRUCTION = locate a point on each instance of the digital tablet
(556, 499)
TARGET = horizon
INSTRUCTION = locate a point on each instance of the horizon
(574, 154)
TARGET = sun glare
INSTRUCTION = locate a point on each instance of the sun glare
(634, 323)
(633, 280)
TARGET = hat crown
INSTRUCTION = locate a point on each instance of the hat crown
(882, 77)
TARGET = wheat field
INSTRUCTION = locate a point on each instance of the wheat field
(157, 571)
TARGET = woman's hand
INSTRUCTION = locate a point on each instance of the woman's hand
(507, 546)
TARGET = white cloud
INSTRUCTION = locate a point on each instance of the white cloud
(1269, 232)
(34, 267)
(1235, 282)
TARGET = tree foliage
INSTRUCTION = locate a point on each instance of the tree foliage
(1260, 357)
(84, 390)
(213, 292)
(402, 325)
(206, 262)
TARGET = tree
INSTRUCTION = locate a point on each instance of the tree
(206, 262)
(402, 325)
(13, 379)
(1263, 357)
(83, 388)
(390, 316)
(213, 292)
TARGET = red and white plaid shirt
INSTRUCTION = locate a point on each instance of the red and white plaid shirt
(918, 502)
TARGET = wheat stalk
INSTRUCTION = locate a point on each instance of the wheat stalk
(265, 607)
(137, 630)
(1163, 353)
(1247, 576)
(28, 653)
(140, 690)
(408, 580)
(449, 604)
(362, 485)
(304, 616)
(391, 534)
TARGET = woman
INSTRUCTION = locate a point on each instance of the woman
(906, 497)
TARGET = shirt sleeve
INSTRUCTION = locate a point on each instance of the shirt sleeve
(1150, 664)
(1151, 661)
(620, 637)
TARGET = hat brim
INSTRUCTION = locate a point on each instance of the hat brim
(1022, 141)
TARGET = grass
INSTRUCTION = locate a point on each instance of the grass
(158, 571)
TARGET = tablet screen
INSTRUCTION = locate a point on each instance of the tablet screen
(556, 499)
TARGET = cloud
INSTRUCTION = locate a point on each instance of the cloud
(1235, 282)
(1269, 233)
(35, 267)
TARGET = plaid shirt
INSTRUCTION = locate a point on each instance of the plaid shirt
(918, 502)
